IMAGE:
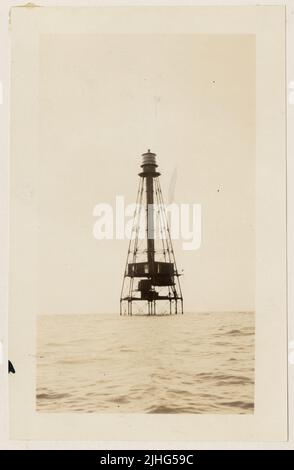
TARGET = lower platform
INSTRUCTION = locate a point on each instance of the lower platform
(163, 305)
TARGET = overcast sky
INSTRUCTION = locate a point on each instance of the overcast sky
(104, 100)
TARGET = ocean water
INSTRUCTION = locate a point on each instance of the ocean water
(191, 363)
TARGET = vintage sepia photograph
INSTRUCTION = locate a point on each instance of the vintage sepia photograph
(146, 224)
(147, 239)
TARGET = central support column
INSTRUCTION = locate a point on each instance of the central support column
(150, 223)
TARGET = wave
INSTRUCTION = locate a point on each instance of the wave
(222, 379)
(51, 396)
(239, 404)
(238, 333)
(163, 409)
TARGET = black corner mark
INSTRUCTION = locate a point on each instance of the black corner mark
(10, 368)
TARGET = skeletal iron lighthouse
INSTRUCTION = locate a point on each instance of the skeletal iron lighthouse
(151, 282)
